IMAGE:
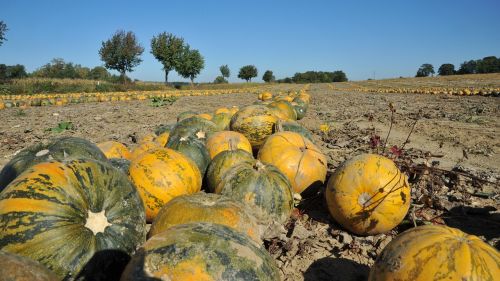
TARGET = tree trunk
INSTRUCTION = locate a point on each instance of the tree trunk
(122, 74)
(192, 82)
(166, 77)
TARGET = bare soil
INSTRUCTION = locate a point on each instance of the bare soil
(452, 160)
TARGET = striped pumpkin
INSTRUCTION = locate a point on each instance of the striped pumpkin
(283, 110)
(293, 126)
(18, 268)
(185, 115)
(59, 149)
(222, 163)
(61, 214)
(121, 164)
(193, 148)
(206, 207)
(368, 194)
(227, 140)
(114, 149)
(256, 122)
(192, 127)
(296, 157)
(201, 252)
(222, 120)
(261, 186)
(433, 252)
(162, 174)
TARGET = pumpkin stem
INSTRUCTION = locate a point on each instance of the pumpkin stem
(97, 222)
(232, 145)
(201, 135)
(279, 126)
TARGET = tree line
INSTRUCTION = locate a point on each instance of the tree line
(490, 64)
(316, 77)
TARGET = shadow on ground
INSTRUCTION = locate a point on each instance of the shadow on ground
(336, 269)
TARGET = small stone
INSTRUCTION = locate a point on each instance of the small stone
(345, 238)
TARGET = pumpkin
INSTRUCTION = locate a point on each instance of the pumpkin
(141, 148)
(19, 268)
(261, 186)
(193, 126)
(432, 252)
(59, 149)
(293, 126)
(296, 157)
(161, 174)
(300, 109)
(233, 110)
(368, 194)
(256, 122)
(286, 109)
(226, 140)
(163, 129)
(222, 120)
(201, 251)
(221, 110)
(223, 162)
(62, 213)
(203, 207)
(162, 139)
(265, 96)
(205, 116)
(194, 149)
(185, 115)
(121, 164)
(114, 149)
(150, 137)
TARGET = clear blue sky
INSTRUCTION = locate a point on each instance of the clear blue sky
(388, 38)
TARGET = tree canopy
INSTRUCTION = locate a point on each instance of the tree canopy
(425, 70)
(248, 72)
(224, 71)
(191, 63)
(316, 77)
(446, 69)
(121, 52)
(3, 30)
(268, 76)
(167, 49)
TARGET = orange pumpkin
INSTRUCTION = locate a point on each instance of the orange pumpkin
(205, 116)
(296, 157)
(226, 140)
(256, 122)
(162, 174)
(141, 148)
(162, 139)
(147, 138)
(265, 96)
(283, 110)
(221, 110)
(203, 207)
(114, 149)
(433, 252)
(368, 194)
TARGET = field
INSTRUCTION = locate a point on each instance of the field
(448, 145)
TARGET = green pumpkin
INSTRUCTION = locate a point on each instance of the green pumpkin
(80, 218)
(221, 121)
(18, 268)
(293, 126)
(185, 115)
(193, 148)
(223, 162)
(59, 149)
(285, 108)
(163, 129)
(121, 164)
(300, 109)
(201, 251)
(261, 186)
(192, 127)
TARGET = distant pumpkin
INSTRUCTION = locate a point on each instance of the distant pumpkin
(368, 194)
(114, 149)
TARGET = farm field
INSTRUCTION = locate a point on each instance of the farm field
(452, 157)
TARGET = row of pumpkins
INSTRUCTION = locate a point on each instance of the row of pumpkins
(81, 209)
(482, 91)
(23, 101)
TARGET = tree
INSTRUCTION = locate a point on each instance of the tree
(224, 70)
(191, 63)
(99, 73)
(121, 52)
(425, 70)
(268, 76)
(446, 69)
(247, 72)
(488, 65)
(167, 48)
(3, 30)
(220, 80)
(468, 67)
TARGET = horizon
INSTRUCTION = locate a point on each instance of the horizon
(380, 40)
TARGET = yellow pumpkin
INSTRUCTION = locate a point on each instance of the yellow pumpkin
(283, 110)
(368, 194)
(147, 138)
(222, 110)
(141, 148)
(233, 110)
(162, 174)
(203, 207)
(206, 116)
(433, 252)
(296, 157)
(265, 96)
(256, 122)
(162, 139)
(227, 140)
(114, 149)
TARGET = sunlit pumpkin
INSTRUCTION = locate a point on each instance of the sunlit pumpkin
(161, 174)
(296, 157)
(293, 126)
(141, 148)
(222, 121)
(150, 137)
(201, 252)
(256, 122)
(162, 139)
(265, 96)
(206, 116)
(114, 149)
(222, 163)
(368, 194)
(226, 140)
(193, 148)
(433, 252)
(207, 207)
